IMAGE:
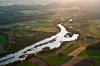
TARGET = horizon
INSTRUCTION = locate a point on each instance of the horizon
(44, 2)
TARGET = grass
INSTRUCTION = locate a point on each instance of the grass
(47, 27)
(63, 47)
(53, 59)
(3, 39)
(26, 63)
(92, 54)
(71, 48)
(92, 30)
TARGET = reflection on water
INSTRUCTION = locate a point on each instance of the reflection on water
(1, 12)
(52, 42)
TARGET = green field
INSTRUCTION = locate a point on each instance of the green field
(71, 48)
(3, 39)
(45, 25)
(54, 59)
(92, 54)
(57, 58)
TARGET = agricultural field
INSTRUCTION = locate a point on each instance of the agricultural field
(3, 39)
(54, 59)
(92, 54)
(49, 32)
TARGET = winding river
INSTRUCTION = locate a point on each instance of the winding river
(52, 42)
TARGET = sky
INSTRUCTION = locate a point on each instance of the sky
(30, 2)
(27, 2)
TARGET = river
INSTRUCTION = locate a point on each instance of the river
(52, 42)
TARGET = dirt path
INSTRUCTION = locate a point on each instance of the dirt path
(73, 61)
(78, 61)
(77, 51)
(38, 61)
